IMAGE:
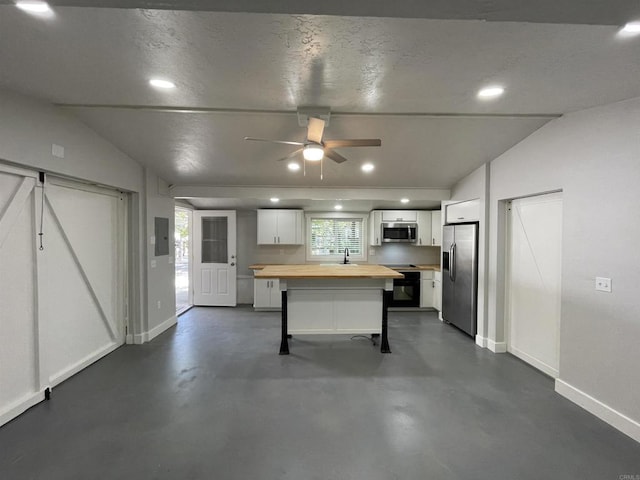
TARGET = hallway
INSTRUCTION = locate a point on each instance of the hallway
(212, 399)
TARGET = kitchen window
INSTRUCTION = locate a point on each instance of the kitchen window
(329, 234)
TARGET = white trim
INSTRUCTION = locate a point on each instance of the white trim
(548, 369)
(82, 364)
(129, 339)
(140, 338)
(618, 420)
(481, 341)
(157, 330)
(20, 406)
(496, 347)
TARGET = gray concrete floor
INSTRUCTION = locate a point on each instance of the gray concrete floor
(212, 399)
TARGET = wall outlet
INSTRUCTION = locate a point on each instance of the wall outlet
(603, 284)
(372, 252)
(153, 264)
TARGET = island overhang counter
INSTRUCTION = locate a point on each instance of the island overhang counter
(333, 299)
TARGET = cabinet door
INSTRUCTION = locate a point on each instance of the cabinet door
(275, 295)
(375, 219)
(426, 289)
(424, 229)
(287, 223)
(399, 215)
(436, 228)
(437, 291)
(468, 211)
(267, 227)
(261, 293)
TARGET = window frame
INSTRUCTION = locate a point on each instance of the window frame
(363, 217)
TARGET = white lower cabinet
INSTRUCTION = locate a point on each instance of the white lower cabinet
(437, 291)
(426, 289)
(266, 293)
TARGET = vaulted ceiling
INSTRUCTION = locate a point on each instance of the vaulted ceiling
(406, 72)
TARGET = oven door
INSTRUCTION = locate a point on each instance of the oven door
(406, 291)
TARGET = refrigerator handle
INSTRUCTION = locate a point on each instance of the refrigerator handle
(452, 262)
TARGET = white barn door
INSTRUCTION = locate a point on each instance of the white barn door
(62, 306)
(214, 258)
(534, 280)
(83, 304)
(20, 382)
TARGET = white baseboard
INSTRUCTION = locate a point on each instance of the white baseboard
(157, 330)
(604, 412)
(481, 341)
(129, 340)
(25, 403)
(440, 316)
(496, 347)
(539, 364)
(94, 356)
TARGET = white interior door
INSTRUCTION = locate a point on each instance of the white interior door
(533, 280)
(214, 263)
(83, 303)
(62, 302)
(20, 382)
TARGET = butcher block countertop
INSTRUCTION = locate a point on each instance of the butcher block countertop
(417, 268)
(325, 271)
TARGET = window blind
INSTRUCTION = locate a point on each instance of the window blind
(330, 236)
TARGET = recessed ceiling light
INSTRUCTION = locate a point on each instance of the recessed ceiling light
(293, 166)
(338, 207)
(631, 28)
(33, 6)
(404, 200)
(274, 200)
(160, 83)
(367, 167)
(491, 92)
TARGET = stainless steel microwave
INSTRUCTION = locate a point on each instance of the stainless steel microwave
(399, 232)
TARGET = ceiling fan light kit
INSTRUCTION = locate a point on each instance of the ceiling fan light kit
(315, 148)
(313, 152)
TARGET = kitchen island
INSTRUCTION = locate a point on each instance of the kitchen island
(333, 299)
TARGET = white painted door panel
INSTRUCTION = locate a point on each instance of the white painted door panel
(83, 302)
(19, 369)
(62, 307)
(214, 262)
(534, 275)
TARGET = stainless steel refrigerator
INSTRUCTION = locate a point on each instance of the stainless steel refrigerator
(460, 276)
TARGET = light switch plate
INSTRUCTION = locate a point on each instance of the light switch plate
(153, 264)
(603, 284)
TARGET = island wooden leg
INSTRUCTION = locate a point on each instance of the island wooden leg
(384, 344)
(284, 344)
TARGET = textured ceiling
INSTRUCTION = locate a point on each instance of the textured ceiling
(409, 81)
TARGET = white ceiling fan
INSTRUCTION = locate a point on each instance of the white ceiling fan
(315, 148)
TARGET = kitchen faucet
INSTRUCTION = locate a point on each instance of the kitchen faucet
(346, 255)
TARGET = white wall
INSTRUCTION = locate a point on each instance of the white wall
(593, 156)
(28, 128)
(160, 282)
(476, 186)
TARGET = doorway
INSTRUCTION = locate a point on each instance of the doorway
(534, 280)
(182, 238)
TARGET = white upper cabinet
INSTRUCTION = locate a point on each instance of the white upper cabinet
(424, 228)
(280, 227)
(399, 215)
(375, 232)
(436, 228)
(468, 211)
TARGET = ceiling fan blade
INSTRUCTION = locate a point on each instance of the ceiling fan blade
(315, 129)
(363, 142)
(333, 155)
(273, 141)
(291, 155)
